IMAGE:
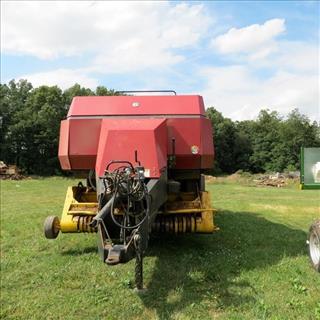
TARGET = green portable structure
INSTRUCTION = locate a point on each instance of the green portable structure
(310, 168)
(310, 179)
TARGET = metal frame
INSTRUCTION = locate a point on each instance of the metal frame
(148, 91)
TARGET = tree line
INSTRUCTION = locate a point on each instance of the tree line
(270, 143)
(30, 121)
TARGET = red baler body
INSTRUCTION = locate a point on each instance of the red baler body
(101, 129)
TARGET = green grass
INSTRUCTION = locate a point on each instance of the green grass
(255, 267)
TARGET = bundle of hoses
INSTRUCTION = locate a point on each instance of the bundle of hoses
(125, 186)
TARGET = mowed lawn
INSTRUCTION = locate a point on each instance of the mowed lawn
(255, 267)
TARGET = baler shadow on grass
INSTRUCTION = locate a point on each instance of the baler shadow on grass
(194, 270)
(194, 273)
(79, 252)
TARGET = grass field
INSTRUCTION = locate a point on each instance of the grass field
(255, 267)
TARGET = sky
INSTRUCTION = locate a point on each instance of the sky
(241, 56)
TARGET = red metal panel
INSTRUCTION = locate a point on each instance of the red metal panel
(81, 135)
(190, 133)
(136, 105)
(63, 152)
(119, 139)
(207, 155)
(186, 133)
(84, 138)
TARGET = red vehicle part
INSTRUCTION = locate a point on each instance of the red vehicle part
(144, 140)
(188, 133)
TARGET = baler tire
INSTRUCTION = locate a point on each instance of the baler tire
(51, 227)
(314, 245)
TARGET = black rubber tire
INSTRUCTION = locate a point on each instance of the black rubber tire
(51, 227)
(173, 186)
(314, 245)
(202, 183)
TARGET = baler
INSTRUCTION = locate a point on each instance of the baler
(144, 158)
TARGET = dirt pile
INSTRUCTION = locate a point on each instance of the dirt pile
(10, 172)
(12, 177)
(277, 180)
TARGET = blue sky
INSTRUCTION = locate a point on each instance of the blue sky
(241, 56)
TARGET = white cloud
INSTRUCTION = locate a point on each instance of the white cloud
(294, 56)
(64, 78)
(256, 39)
(150, 38)
(134, 55)
(240, 94)
(120, 36)
(263, 72)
